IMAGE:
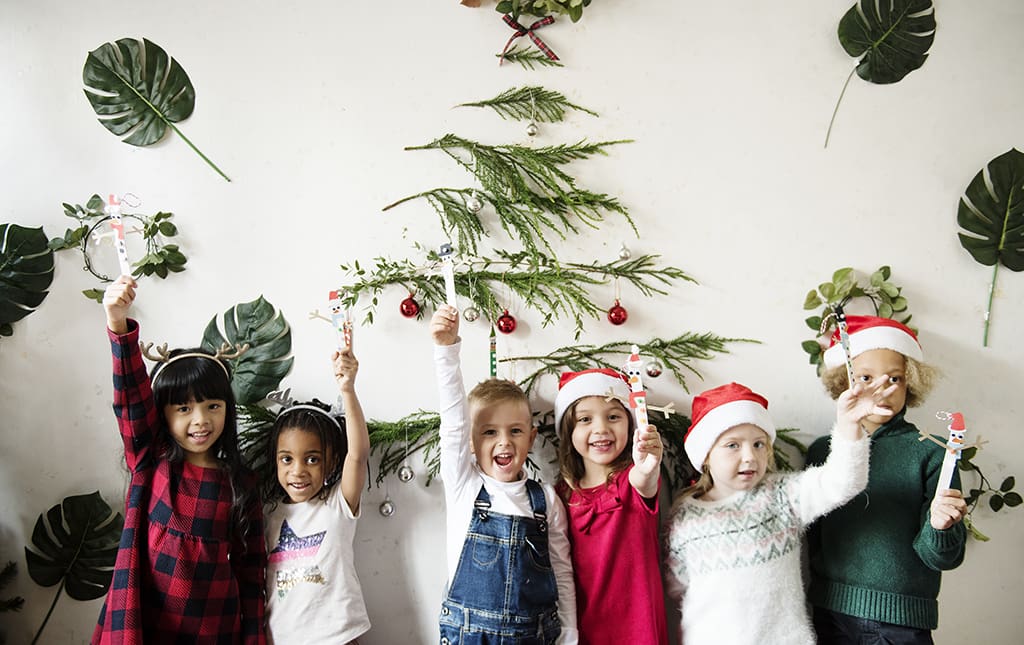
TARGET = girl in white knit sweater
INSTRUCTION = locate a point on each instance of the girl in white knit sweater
(734, 537)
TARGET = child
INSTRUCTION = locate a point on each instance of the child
(876, 562)
(509, 572)
(734, 538)
(316, 475)
(191, 560)
(611, 493)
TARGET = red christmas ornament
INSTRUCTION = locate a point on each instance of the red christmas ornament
(617, 314)
(409, 307)
(506, 323)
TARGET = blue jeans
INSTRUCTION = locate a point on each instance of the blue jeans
(834, 628)
(504, 589)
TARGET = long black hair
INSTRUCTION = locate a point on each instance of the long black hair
(333, 443)
(198, 379)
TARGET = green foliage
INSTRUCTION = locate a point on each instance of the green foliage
(571, 8)
(530, 103)
(260, 370)
(992, 214)
(1003, 497)
(845, 287)
(26, 272)
(528, 58)
(7, 575)
(138, 91)
(784, 437)
(552, 288)
(74, 545)
(161, 258)
(417, 432)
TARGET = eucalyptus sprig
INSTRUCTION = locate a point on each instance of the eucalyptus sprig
(530, 103)
(555, 289)
(160, 259)
(528, 58)
(676, 354)
(883, 295)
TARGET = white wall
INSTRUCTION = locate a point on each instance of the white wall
(307, 105)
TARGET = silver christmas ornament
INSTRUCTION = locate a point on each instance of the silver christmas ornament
(405, 474)
(471, 314)
(387, 508)
(624, 253)
(474, 204)
(532, 129)
(653, 369)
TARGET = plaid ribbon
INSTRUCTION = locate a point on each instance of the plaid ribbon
(527, 31)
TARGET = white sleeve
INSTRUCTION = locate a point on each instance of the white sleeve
(675, 566)
(824, 488)
(561, 563)
(456, 458)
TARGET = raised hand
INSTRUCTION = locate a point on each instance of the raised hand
(117, 299)
(647, 453)
(861, 401)
(444, 325)
(345, 368)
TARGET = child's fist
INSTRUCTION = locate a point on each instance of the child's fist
(345, 368)
(947, 509)
(116, 300)
(444, 325)
(647, 448)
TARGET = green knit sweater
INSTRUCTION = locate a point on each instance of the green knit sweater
(878, 556)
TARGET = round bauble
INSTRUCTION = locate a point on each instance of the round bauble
(506, 323)
(406, 474)
(409, 307)
(471, 314)
(617, 315)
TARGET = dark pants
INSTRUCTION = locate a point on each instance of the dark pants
(839, 629)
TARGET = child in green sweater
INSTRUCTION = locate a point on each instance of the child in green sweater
(876, 562)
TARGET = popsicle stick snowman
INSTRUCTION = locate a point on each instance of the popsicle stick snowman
(954, 446)
(113, 209)
(637, 395)
(341, 318)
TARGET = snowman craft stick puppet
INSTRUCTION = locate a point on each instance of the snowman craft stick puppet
(113, 209)
(954, 446)
(637, 395)
(341, 318)
(448, 271)
(844, 340)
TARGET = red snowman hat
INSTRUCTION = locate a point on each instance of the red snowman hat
(573, 386)
(719, 409)
(956, 422)
(872, 332)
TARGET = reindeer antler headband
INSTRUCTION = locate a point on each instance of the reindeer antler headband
(163, 360)
(287, 403)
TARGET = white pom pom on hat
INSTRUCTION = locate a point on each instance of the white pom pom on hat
(871, 332)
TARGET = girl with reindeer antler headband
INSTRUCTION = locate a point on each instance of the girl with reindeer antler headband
(191, 558)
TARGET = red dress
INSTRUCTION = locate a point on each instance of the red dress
(179, 577)
(616, 560)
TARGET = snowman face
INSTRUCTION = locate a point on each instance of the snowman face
(335, 308)
(956, 436)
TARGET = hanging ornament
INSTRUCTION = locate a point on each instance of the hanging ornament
(409, 307)
(387, 507)
(506, 323)
(624, 253)
(532, 129)
(653, 369)
(617, 314)
(406, 474)
(471, 314)
(474, 204)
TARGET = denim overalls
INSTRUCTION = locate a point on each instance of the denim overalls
(504, 589)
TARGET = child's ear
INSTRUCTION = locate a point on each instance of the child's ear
(533, 435)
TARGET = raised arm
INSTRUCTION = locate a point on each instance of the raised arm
(647, 451)
(353, 474)
(456, 458)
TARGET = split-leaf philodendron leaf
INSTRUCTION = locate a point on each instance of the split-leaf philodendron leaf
(260, 370)
(138, 91)
(26, 271)
(991, 213)
(893, 36)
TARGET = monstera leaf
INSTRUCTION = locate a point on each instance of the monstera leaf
(26, 271)
(992, 214)
(891, 36)
(258, 371)
(74, 544)
(138, 91)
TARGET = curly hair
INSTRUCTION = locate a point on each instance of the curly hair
(570, 462)
(921, 378)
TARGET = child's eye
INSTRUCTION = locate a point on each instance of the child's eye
(864, 378)
(759, 444)
(214, 406)
(517, 431)
(285, 460)
(895, 379)
(312, 461)
(183, 409)
(583, 419)
(732, 444)
(490, 432)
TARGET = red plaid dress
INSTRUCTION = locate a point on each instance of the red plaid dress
(179, 577)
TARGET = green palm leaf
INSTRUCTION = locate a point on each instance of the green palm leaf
(138, 91)
(74, 544)
(992, 214)
(26, 271)
(260, 370)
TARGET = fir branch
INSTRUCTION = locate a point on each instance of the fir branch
(530, 104)
(676, 354)
(407, 436)
(528, 58)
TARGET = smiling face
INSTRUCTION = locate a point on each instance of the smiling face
(503, 434)
(300, 464)
(196, 426)
(738, 460)
(600, 434)
(882, 362)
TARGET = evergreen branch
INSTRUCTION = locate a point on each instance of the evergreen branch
(676, 354)
(407, 436)
(528, 58)
(456, 218)
(530, 104)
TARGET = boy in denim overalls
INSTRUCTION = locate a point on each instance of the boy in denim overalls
(509, 571)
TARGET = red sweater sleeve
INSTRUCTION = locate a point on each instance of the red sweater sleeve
(133, 398)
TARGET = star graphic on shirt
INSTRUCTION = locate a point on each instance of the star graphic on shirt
(291, 546)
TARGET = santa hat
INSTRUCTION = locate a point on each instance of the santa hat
(719, 409)
(573, 386)
(872, 332)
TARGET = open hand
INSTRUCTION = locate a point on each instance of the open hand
(861, 401)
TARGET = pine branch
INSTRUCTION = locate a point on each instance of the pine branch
(530, 104)
(407, 436)
(528, 58)
(677, 355)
